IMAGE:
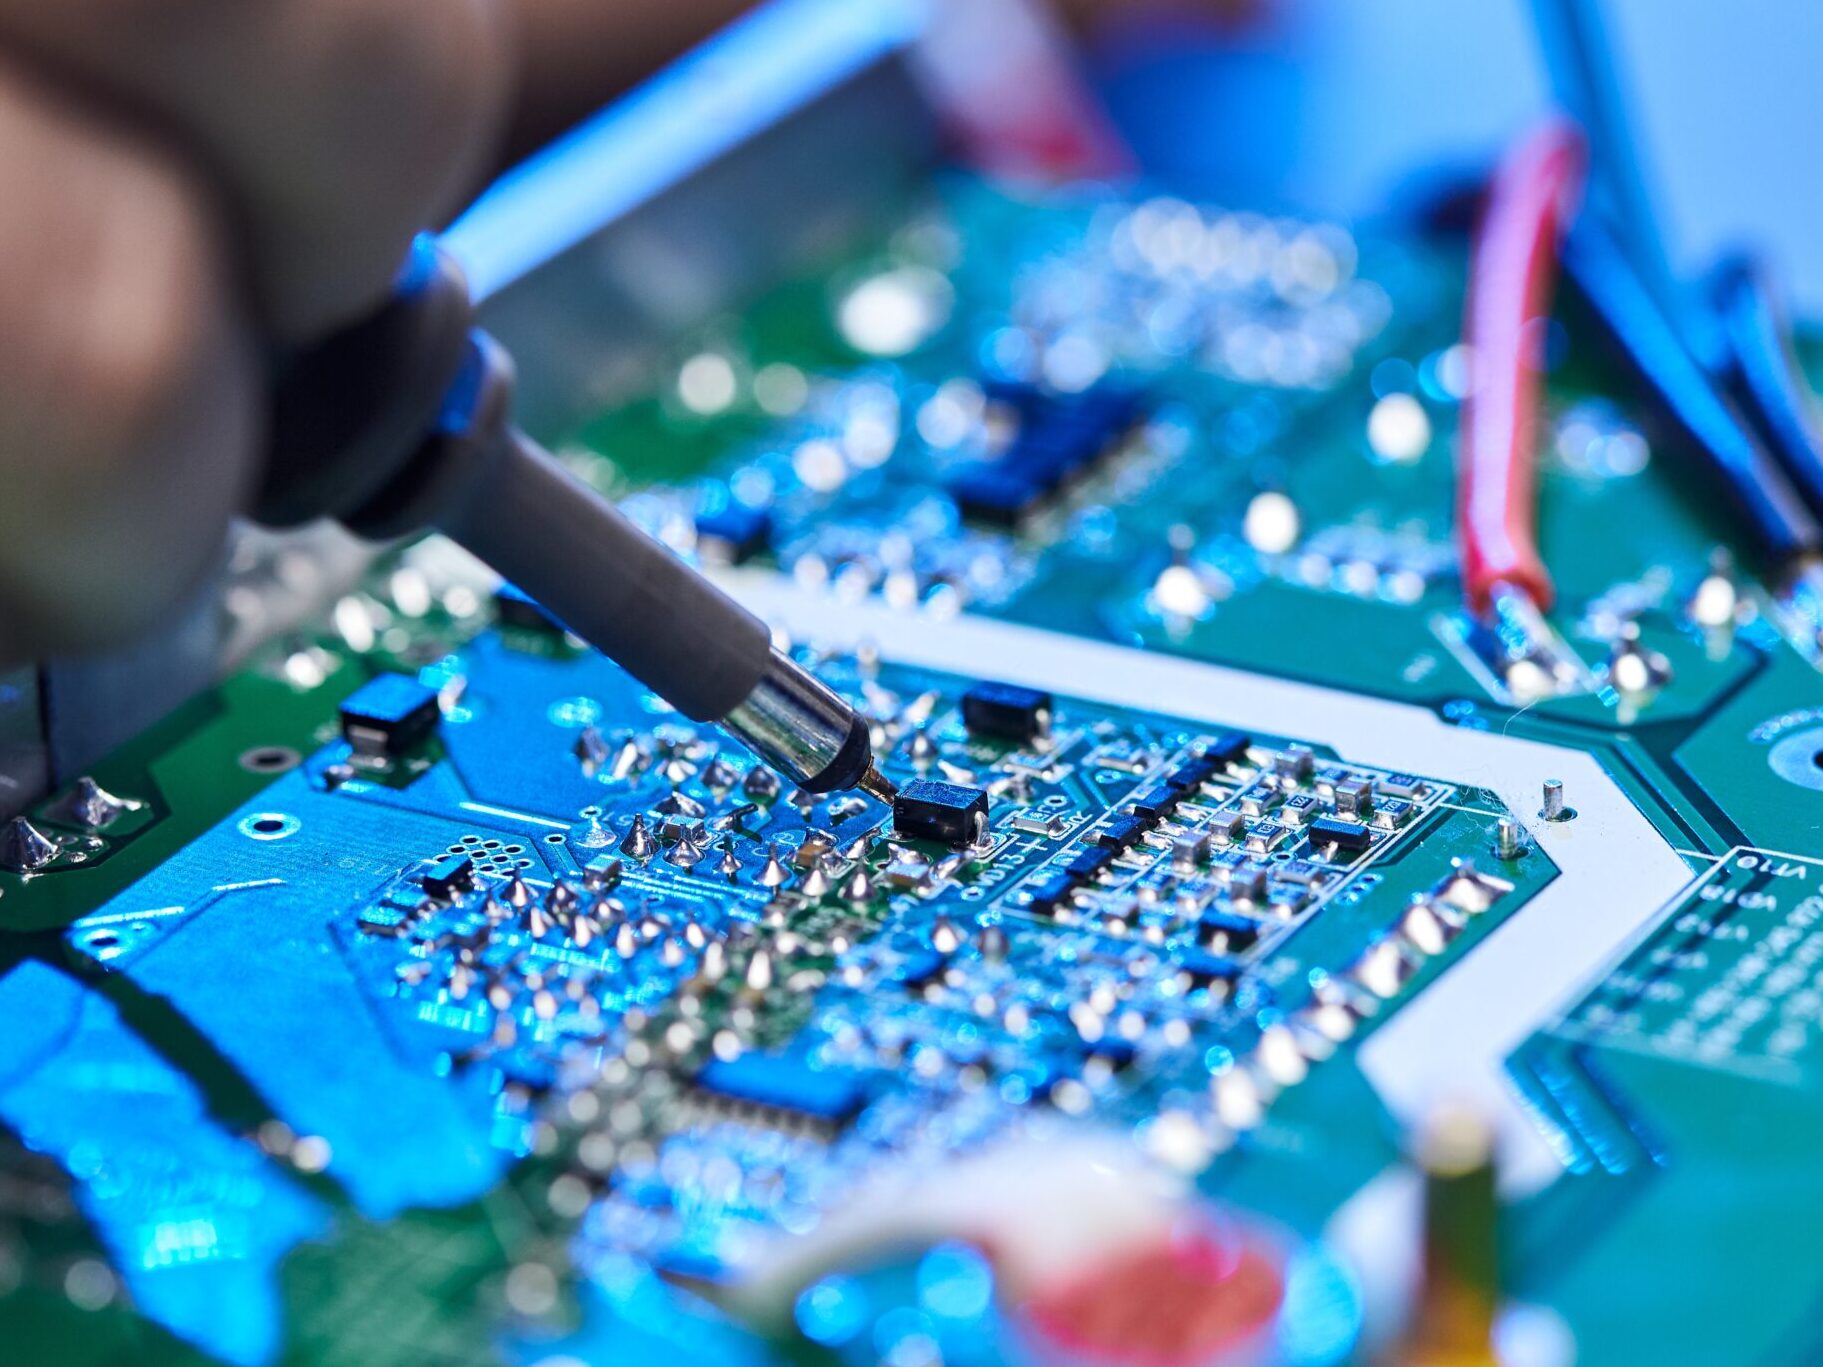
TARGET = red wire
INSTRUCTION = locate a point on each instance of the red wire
(1511, 278)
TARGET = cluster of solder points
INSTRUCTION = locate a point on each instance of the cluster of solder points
(499, 858)
(1228, 834)
(710, 969)
(1261, 301)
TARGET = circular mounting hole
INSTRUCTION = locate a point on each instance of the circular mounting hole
(1798, 758)
(269, 825)
(110, 942)
(270, 759)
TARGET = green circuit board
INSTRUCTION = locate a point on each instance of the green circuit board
(429, 993)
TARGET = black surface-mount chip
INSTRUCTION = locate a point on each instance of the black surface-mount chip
(733, 533)
(984, 492)
(1345, 835)
(1223, 930)
(1155, 805)
(448, 877)
(1008, 711)
(1120, 832)
(1059, 438)
(1229, 748)
(1204, 969)
(1192, 774)
(1050, 892)
(1088, 863)
(389, 715)
(926, 809)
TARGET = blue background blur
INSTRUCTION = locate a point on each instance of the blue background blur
(1331, 106)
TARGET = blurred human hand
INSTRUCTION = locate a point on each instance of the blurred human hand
(185, 184)
(182, 184)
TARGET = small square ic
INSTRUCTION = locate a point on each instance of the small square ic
(952, 813)
(389, 715)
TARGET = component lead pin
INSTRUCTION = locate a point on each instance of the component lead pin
(1553, 809)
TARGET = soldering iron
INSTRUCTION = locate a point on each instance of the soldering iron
(402, 421)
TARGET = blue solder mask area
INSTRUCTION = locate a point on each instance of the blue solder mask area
(267, 937)
(231, 931)
(511, 746)
(195, 1220)
(260, 933)
(253, 936)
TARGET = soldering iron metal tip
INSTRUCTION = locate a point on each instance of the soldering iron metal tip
(875, 784)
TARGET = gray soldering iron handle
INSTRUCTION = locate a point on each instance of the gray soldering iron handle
(402, 422)
(619, 589)
(513, 505)
(349, 440)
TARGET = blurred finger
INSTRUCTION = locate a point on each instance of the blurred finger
(576, 55)
(127, 397)
(336, 127)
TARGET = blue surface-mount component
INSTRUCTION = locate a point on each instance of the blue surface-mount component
(787, 1083)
